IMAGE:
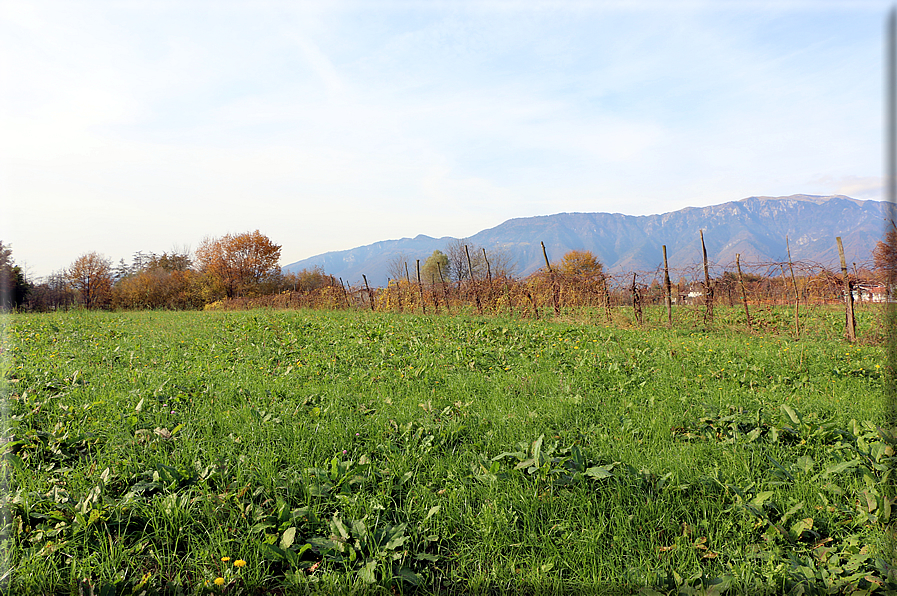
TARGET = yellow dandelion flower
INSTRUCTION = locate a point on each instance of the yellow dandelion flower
(219, 581)
(239, 563)
(225, 559)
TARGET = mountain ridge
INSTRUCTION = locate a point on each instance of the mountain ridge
(755, 227)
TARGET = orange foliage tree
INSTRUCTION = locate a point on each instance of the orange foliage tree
(582, 265)
(239, 263)
(885, 256)
(91, 276)
(159, 281)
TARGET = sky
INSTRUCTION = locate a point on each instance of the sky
(149, 125)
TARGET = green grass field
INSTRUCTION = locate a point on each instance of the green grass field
(293, 452)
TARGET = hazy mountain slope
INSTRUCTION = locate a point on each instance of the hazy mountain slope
(755, 227)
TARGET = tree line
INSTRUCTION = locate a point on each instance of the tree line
(244, 269)
(227, 267)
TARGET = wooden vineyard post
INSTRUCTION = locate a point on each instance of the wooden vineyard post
(370, 294)
(796, 293)
(555, 290)
(708, 289)
(606, 299)
(445, 296)
(420, 289)
(490, 297)
(476, 294)
(744, 299)
(848, 296)
(636, 301)
(667, 288)
(345, 293)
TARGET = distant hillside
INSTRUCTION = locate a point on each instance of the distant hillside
(755, 227)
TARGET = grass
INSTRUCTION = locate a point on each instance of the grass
(336, 451)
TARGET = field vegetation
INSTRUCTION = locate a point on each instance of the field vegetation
(277, 451)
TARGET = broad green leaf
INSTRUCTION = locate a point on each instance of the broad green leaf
(761, 498)
(397, 542)
(801, 526)
(579, 462)
(433, 511)
(840, 467)
(406, 575)
(599, 472)
(338, 525)
(275, 552)
(805, 463)
(515, 454)
(359, 529)
(288, 537)
(367, 574)
(792, 415)
(537, 450)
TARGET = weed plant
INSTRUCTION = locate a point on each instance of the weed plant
(325, 452)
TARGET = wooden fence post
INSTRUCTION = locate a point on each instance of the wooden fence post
(473, 284)
(370, 294)
(606, 299)
(489, 298)
(708, 288)
(445, 296)
(667, 288)
(545, 254)
(636, 301)
(744, 299)
(420, 289)
(850, 323)
(555, 290)
(345, 293)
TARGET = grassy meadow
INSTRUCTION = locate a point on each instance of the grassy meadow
(281, 452)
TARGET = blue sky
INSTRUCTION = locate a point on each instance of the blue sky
(146, 126)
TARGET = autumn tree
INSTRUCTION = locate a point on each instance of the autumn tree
(91, 276)
(885, 256)
(158, 281)
(435, 267)
(240, 263)
(581, 265)
(306, 280)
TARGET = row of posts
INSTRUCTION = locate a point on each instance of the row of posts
(850, 321)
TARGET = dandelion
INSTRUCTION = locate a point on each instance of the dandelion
(219, 581)
(225, 559)
(239, 563)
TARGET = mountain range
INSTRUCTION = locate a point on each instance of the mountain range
(755, 227)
